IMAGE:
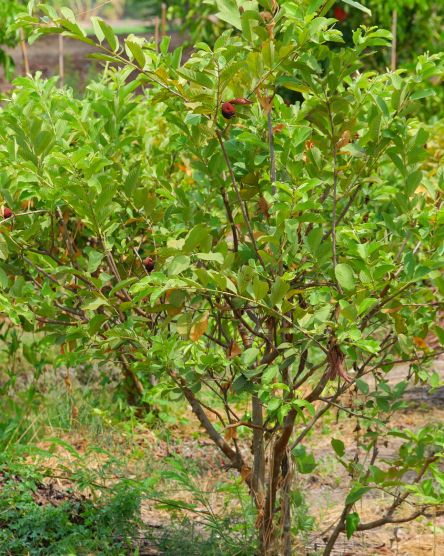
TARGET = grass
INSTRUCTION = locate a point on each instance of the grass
(78, 470)
(89, 445)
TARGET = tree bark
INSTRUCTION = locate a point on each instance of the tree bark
(279, 453)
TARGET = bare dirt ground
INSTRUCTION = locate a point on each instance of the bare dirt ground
(43, 56)
(325, 489)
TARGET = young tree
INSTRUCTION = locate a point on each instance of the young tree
(270, 256)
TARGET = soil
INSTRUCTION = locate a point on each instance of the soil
(325, 489)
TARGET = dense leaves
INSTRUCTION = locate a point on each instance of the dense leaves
(294, 250)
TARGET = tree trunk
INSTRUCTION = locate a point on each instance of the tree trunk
(266, 525)
(286, 506)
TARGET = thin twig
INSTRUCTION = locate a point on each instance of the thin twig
(238, 195)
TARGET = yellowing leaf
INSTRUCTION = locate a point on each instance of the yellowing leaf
(344, 140)
(234, 350)
(198, 329)
(230, 433)
(245, 473)
(419, 342)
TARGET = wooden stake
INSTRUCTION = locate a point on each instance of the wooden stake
(61, 61)
(24, 53)
(394, 39)
(156, 33)
(164, 20)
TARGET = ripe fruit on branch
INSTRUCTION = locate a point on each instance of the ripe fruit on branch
(148, 263)
(228, 110)
(7, 212)
(339, 13)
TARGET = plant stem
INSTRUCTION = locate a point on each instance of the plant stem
(238, 195)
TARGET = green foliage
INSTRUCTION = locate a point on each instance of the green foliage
(8, 11)
(71, 526)
(419, 24)
(229, 530)
(294, 250)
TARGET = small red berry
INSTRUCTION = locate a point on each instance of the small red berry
(339, 13)
(7, 213)
(240, 101)
(228, 110)
(148, 263)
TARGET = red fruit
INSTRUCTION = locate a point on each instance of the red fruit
(228, 110)
(7, 213)
(339, 13)
(148, 263)
(240, 101)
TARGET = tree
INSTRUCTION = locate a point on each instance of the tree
(272, 262)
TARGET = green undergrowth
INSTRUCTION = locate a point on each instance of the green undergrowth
(37, 517)
(78, 468)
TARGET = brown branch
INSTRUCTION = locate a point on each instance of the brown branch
(214, 412)
(235, 459)
(388, 518)
(130, 374)
(238, 195)
(230, 219)
(244, 424)
(272, 150)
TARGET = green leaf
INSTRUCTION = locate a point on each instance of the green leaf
(423, 94)
(102, 57)
(95, 304)
(314, 239)
(132, 180)
(97, 29)
(178, 264)
(344, 276)
(439, 331)
(293, 84)
(137, 52)
(358, 6)
(242, 384)
(300, 405)
(249, 356)
(278, 291)
(229, 12)
(366, 304)
(362, 386)
(355, 494)
(351, 524)
(338, 446)
(68, 14)
(260, 288)
(216, 257)
(4, 251)
(95, 324)
(94, 260)
(412, 182)
(109, 35)
(305, 462)
(4, 281)
(198, 236)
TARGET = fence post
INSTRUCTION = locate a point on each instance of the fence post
(61, 61)
(24, 52)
